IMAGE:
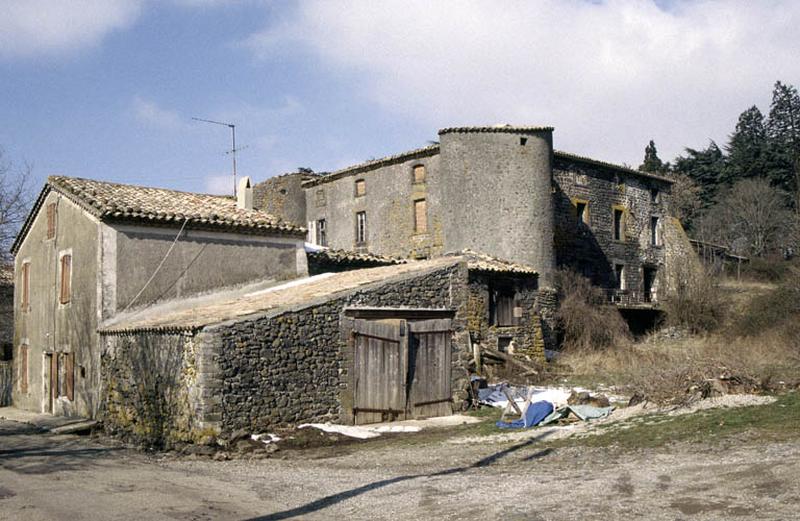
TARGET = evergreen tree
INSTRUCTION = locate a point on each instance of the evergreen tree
(705, 167)
(783, 134)
(652, 163)
(747, 148)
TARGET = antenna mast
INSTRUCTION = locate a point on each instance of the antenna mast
(233, 149)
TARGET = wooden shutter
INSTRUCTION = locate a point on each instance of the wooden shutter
(380, 368)
(23, 368)
(421, 216)
(51, 220)
(66, 276)
(69, 369)
(53, 377)
(26, 285)
(361, 187)
(505, 309)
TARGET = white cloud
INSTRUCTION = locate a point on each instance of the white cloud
(150, 113)
(34, 27)
(609, 76)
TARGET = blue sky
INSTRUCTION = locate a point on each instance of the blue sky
(106, 89)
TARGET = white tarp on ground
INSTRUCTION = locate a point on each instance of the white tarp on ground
(360, 431)
(494, 396)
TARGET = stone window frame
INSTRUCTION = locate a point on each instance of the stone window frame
(424, 228)
(65, 287)
(360, 187)
(414, 169)
(321, 232)
(586, 218)
(361, 228)
(623, 211)
(655, 239)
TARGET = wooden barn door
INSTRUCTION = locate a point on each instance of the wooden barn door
(429, 368)
(401, 369)
(380, 367)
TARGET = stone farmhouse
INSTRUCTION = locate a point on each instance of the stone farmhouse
(501, 191)
(355, 296)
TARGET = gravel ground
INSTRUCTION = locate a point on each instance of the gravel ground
(68, 477)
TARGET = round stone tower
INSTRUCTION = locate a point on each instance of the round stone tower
(497, 184)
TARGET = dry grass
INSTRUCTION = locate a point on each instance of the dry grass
(585, 321)
(697, 303)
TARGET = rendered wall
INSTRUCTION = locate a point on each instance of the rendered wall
(497, 196)
(389, 206)
(49, 326)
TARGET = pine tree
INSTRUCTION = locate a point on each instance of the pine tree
(652, 163)
(747, 148)
(783, 134)
(705, 167)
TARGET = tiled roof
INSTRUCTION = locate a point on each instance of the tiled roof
(352, 257)
(122, 203)
(511, 129)
(417, 153)
(566, 156)
(291, 296)
(482, 262)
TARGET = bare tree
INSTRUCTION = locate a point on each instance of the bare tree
(751, 217)
(685, 198)
(15, 198)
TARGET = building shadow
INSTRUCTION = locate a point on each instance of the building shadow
(327, 501)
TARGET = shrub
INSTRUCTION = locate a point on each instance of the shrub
(766, 269)
(777, 310)
(584, 319)
(696, 304)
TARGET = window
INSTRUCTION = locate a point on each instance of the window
(361, 228)
(23, 368)
(654, 195)
(619, 224)
(582, 211)
(654, 238)
(322, 236)
(421, 216)
(65, 289)
(51, 220)
(26, 285)
(419, 174)
(619, 274)
(361, 188)
(501, 310)
(523, 141)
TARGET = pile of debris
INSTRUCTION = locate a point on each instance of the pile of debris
(538, 406)
(237, 444)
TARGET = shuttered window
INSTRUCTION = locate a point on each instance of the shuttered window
(23, 368)
(419, 174)
(26, 285)
(361, 187)
(421, 216)
(502, 307)
(51, 220)
(69, 370)
(361, 227)
(65, 292)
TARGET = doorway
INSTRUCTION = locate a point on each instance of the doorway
(649, 283)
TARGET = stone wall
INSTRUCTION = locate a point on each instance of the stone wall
(150, 384)
(294, 366)
(589, 247)
(526, 332)
(283, 197)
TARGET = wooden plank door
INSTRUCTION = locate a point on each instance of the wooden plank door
(429, 368)
(379, 370)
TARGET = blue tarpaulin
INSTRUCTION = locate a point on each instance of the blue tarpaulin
(535, 413)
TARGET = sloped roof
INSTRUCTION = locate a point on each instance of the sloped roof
(481, 262)
(124, 203)
(345, 257)
(566, 156)
(417, 153)
(293, 295)
(511, 129)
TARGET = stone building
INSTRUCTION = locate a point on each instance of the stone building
(92, 250)
(358, 346)
(502, 191)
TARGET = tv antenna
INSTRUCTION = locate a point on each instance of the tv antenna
(233, 149)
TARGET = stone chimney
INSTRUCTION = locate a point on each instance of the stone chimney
(244, 194)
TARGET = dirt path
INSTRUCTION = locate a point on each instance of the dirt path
(73, 478)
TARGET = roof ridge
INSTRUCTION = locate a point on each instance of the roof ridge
(115, 183)
(614, 166)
